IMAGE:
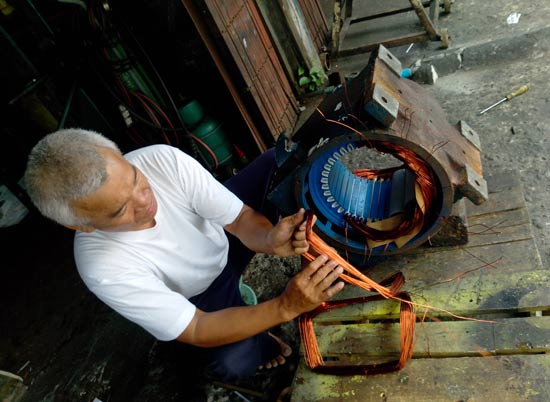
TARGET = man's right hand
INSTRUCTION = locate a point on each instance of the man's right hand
(313, 285)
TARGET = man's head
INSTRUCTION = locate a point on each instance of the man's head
(79, 179)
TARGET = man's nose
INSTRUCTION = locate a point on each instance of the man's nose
(142, 199)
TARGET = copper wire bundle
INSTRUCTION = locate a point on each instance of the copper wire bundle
(353, 276)
(424, 178)
(414, 217)
(423, 173)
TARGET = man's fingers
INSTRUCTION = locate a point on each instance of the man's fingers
(314, 265)
(323, 271)
(334, 289)
(300, 246)
(299, 221)
(316, 283)
(296, 219)
(301, 250)
(329, 279)
(300, 235)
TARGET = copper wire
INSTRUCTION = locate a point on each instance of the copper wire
(423, 175)
(413, 217)
(388, 288)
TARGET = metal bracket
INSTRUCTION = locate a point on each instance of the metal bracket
(382, 106)
(469, 133)
(473, 186)
(391, 61)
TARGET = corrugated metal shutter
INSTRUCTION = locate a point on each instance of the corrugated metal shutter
(247, 40)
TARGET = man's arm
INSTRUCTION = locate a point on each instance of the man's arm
(305, 291)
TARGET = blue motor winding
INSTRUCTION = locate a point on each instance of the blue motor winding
(335, 192)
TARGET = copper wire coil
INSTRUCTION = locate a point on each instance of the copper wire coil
(389, 288)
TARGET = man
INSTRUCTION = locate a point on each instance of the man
(151, 243)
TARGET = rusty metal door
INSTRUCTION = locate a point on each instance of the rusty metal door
(240, 29)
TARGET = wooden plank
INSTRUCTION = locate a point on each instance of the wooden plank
(364, 342)
(488, 293)
(473, 379)
(470, 296)
(461, 281)
(422, 269)
(490, 228)
(523, 335)
(451, 265)
(495, 228)
(316, 22)
(505, 193)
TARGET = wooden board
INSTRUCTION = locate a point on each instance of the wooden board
(525, 335)
(514, 378)
(497, 277)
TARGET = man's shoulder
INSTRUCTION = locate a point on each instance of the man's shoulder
(160, 154)
(154, 149)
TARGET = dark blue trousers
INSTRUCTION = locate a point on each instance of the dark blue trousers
(240, 359)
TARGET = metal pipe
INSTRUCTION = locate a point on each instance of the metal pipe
(18, 50)
(67, 106)
(41, 18)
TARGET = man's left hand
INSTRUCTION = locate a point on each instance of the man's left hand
(288, 236)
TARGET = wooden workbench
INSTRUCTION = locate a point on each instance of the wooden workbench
(497, 276)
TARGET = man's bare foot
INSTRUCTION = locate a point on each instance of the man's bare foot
(280, 359)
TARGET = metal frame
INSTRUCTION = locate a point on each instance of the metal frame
(342, 20)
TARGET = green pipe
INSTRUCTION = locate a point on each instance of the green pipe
(28, 89)
(67, 107)
(94, 106)
(18, 50)
(40, 17)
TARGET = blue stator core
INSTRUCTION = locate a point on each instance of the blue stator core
(336, 192)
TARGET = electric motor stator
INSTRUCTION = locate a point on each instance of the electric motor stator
(368, 209)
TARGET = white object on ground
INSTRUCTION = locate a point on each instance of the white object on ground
(513, 18)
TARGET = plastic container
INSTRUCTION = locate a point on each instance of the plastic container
(211, 133)
(191, 113)
(248, 295)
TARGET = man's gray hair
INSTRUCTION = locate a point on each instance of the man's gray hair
(65, 166)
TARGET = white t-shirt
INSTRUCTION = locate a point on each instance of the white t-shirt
(148, 275)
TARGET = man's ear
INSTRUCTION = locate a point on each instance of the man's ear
(84, 229)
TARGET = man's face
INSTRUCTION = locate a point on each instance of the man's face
(125, 202)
